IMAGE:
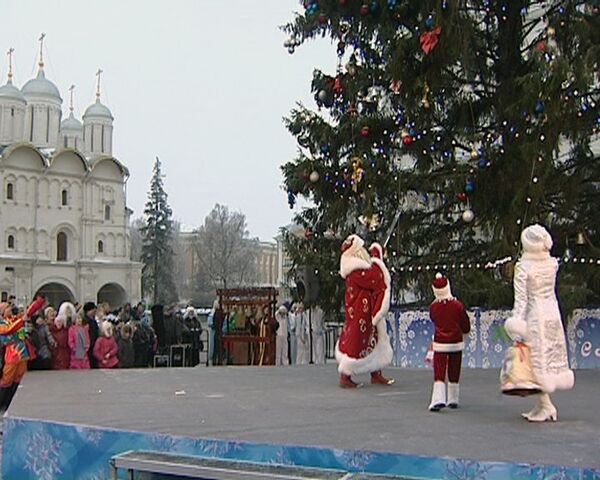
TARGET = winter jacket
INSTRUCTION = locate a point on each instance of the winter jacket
(125, 353)
(105, 352)
(451, 323)
(79, 353)
(61, 351)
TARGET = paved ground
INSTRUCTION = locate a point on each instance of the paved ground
(304, 406)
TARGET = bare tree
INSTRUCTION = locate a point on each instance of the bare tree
(225, 251)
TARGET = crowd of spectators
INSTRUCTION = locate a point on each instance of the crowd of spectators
(91, 336)
(82, 336)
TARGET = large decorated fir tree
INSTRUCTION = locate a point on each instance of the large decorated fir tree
(446, 127)
(157, 243)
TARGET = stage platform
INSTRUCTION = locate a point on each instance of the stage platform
(68, 424)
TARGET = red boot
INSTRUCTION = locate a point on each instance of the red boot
(347, 382)
(377, 378)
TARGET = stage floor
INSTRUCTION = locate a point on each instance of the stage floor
(304, 406)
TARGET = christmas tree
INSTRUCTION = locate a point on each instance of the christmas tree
(157, 246)
(446, 127)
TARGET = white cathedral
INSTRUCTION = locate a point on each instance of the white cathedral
(64, 222)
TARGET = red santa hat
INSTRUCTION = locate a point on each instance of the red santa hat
(441, 287)
(376, 250)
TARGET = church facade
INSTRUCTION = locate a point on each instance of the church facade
(64, 222)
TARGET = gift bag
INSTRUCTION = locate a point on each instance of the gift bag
(516, 376)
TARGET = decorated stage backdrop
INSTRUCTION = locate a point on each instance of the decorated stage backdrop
(411, 333)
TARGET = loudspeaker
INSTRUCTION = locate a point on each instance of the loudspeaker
(307, 285)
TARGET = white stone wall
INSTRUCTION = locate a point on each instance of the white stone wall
(12, 121)
(94, 210)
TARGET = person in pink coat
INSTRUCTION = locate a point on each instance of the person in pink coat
(79, 343)
(105, 348)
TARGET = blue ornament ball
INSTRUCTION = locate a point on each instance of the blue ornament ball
(469, 187)
(539, 107)
(429, 22)
(291, 199)
(374, 7)
(482, 163)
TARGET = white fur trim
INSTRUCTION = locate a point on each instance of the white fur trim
(558, 381)
(438, 395)
(385, 304)
(448, 347)
(349, 263)
(453, 393)
(67, 312)
(516, 328)
(542, 255)
(380, 357)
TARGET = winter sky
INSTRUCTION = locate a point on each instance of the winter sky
(202, 84)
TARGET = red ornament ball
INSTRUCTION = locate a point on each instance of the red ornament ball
(462, 196)
(364, 10)
(364, 131)
(407, 140)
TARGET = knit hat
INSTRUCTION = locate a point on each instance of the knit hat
(88, 306)
(441, 287)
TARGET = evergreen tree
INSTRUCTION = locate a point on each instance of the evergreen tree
(449, 126)
(157, 248)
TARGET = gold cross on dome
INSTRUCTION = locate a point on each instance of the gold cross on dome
(9, 53)
(98, 73)
(41, 40)
(71, 90)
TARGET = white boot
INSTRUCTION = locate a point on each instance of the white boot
(543, 411)
(453, 393)
(438, 397)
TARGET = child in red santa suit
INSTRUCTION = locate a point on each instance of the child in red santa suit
(451, 323)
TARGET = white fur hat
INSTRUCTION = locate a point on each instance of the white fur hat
(67, 312)
(536, 238)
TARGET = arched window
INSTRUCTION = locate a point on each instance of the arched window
(61, 247)
(100, 246)
(10, 191)
(64, 197)
(106, 212)
(11, 242)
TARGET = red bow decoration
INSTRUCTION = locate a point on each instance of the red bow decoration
(430, 39)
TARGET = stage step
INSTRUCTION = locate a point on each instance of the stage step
(160, 463)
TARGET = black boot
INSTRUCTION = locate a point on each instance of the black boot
(10, 394)
(4, 396)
